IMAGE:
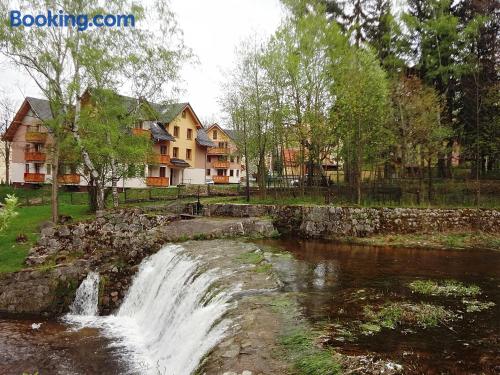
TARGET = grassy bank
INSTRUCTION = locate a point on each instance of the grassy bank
(12, 253)
(463, 240)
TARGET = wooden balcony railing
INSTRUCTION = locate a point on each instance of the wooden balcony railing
(218, 151)
(34, 156)
(161, 159)
(34, 177)
(35, 137)
(157, 181)
(221, 179)
(69, 179)
(220, 164)
(141, 132)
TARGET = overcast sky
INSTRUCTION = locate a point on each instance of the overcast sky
(213, 29)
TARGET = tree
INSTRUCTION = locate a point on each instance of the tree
(63, 61)
(106, 122)
(361, 105)
(6, 115)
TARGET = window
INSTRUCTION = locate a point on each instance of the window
(175, 152)
(231, 172)
(183, 114)
(214, 134)
(222, 144)
(188, 154)
(232, 159)
(138, 125)
(37, 168)
(27, 168)
(163, 150)
(208, 172)
(49, 169)
(190, 134)
(176, 131)
(150, 170)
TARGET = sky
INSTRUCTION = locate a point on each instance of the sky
(212, 29)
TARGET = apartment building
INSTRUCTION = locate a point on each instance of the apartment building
(180, 146)
(224, 163)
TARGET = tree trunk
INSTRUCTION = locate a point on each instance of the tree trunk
(54, 200)
(429, 187)
(7, 146)
(114, 187)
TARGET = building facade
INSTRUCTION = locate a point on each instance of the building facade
(224, 163)
(179, 141)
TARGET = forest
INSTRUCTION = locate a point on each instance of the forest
(364, 93)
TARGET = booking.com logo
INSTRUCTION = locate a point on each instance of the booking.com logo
(60, 19)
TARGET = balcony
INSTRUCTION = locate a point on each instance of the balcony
(220, 179)
(161, 159)
(218, 151)
(141, 132)
(34, 177)
(69, 179)
(157, 181)
(220, 164)
(34, 156)
(35, 137)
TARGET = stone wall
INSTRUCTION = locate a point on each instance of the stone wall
(326, 221)
(114, 244)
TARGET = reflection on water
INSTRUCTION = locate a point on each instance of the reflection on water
(53, 349)
(337, 280)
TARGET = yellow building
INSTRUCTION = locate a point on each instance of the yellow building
(224, 163)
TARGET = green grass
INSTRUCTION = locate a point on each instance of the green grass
(251, 257)
(394, 314)
(307, 358)
(445, 288)
(12, 254)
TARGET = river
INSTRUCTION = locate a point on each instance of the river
(332, 282)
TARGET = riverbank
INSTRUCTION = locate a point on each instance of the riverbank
(451, 240)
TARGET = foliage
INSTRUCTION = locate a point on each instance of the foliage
(8, 211)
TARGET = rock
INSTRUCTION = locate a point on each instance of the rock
(232, 352)
(246, 372)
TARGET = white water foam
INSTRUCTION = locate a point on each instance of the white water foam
(87, 296)
(171, 316)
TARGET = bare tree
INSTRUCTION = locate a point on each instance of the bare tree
(6, 115)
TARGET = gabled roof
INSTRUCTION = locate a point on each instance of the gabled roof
(203, 140)
(39, 107)
(229, 132)
(158, 132)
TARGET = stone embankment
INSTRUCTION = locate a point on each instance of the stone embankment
(327, 221)
(114, 244)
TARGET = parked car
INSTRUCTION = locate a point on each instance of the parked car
(209, 181)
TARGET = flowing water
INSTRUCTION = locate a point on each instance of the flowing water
(174, 311)
(170, 317)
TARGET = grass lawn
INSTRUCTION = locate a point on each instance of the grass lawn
(12, 254)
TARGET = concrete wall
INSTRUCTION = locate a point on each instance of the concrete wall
(325, 221)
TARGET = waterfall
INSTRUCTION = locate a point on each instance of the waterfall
(87, 295)
(172, 315)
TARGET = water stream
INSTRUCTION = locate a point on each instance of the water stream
(170, 318)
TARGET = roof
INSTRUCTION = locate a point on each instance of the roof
(203, 140)
(158, 132)
(41, 108)
(179, 163)
(229, 132)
